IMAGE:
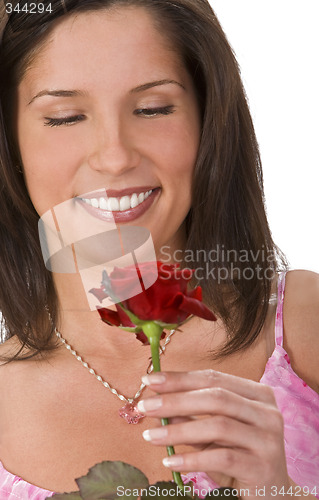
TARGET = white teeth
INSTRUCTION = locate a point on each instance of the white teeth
(103, 204)
(114, 204)
(134, 200)
(125, 203)
(95, 202)
(118, 204)
(141, 198)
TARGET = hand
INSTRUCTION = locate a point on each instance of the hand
(238, 439)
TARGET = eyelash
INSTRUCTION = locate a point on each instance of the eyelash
(147, 112)
(150, 112)
(68, 120)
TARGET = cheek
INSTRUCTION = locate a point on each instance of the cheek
(47, 173)
(182, 155)
(176, 146)
(178, 154)
(45, 153)
(41, 189)
(48, 161)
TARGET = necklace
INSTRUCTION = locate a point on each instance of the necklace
(129, 411)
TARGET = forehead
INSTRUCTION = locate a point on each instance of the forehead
(122, 42)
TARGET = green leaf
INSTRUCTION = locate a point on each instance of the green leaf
(164, 490)
(166, 326)
(135, 320)
(75, 495)
(131, 329)
(104, 479)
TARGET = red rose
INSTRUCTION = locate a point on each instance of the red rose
(166, 301)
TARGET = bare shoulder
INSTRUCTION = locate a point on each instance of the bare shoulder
(16, 376)
(301, 324)
(302, 299)
(305, 284)
(9, 371)
(10, 381)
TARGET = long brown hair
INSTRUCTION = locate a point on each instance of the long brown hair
(227, 215)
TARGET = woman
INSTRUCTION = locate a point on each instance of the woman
(135, 97)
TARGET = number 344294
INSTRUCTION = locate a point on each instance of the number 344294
(30, 8)
(295, 491)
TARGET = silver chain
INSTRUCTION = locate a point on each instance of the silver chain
(104, 382)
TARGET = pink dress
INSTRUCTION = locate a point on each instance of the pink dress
(298, 403)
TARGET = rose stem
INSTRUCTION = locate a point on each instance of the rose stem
(155, 346)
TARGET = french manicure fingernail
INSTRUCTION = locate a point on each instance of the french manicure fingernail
(156, 379)
(152, 434)
(149, 404)
(173, 461)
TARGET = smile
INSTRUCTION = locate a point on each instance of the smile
(118, 204)
(121, 209)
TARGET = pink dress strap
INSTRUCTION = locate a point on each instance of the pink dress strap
(279, 326)
(201, 482)
(299, 405)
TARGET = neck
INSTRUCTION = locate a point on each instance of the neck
(83, 328)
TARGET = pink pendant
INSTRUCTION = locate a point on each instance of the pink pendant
(130, 413)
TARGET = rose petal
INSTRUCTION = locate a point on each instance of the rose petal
(99, 293)
(108, 316)
(167, 300)
(197, 308)
(196, 293)
(125, 320)
(142, 338)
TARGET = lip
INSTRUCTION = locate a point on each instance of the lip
(117, 193)
(117, 216)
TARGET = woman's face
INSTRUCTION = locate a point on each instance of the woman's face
(108, 105)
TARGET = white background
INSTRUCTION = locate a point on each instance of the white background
(277, 46)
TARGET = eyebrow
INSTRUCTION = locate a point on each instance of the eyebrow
(156, 83)
(58, 93)
(77, 93)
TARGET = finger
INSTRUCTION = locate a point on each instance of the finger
(165, 382)
(219, 431)
(211, 401)
(235, 463)
(181, 420)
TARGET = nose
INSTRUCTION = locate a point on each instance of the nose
(113, 148)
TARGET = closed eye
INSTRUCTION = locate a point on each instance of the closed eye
(67, 120)
(151, 112)
(70, 120)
